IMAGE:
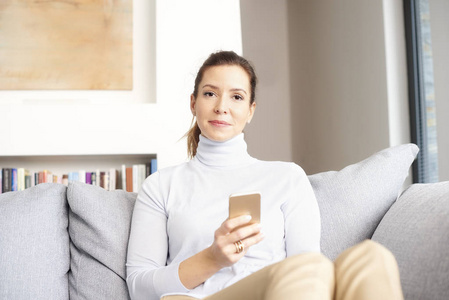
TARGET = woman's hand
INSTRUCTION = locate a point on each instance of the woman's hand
(224, 250)
(222, 253)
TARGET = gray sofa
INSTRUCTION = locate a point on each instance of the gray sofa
(58, 242)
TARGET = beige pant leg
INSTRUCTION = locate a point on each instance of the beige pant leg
(306, 276)
(367, 271)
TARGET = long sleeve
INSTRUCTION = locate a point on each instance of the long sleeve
(148, 276)
(301, 215)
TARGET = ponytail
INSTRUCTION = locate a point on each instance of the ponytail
(193, 138)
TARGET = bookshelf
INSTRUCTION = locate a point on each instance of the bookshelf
(63, 164)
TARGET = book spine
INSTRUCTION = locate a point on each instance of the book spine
(20, 179)
(65, 179)
(13, 179)
(147, 169)
(27, 181)
(135, 177)
(75, 176)
(153, 165)
(6, 180)
(93, 178)
(102, 179)
(129, 179)
(98, 177)
(123, 177)
(27, 178)
(141, 175)
(89, 178)
(106, 181)
(112, 179)
(82, 176)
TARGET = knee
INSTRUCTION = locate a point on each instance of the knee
(371, 251)
(307, 264)
(376, 251)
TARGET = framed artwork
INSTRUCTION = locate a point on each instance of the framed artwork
(66, 45)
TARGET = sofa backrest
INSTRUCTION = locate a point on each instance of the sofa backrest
(92, 265)
(34, 243)
(416, 230)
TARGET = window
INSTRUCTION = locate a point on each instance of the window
(420, 63)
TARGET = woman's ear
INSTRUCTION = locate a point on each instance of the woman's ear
(192, 105)
(252, 109)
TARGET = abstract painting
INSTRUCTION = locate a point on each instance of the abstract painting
(66, 45)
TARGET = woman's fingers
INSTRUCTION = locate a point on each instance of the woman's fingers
(231, 224)
(244, 232)
(252, 240)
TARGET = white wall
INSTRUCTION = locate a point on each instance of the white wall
(439, 22)
(150, 119)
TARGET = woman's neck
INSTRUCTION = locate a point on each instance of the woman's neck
(230, 153)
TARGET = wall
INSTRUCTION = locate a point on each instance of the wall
(439, 12)
(265, 44)
(171, 38)
(342, 66)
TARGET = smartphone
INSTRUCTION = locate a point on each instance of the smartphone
(245, 204)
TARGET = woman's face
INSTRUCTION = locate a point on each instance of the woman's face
(222, 107)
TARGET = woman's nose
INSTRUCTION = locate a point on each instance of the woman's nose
(221, 107)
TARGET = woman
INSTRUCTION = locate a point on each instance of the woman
(182, 243)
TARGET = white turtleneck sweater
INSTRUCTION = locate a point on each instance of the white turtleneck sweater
(179, 208)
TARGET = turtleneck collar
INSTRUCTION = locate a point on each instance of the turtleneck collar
(230, 153)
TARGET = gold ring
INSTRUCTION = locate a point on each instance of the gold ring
(239, 247)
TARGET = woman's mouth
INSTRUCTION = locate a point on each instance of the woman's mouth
(219, 123)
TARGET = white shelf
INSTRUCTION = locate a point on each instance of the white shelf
(63, 164)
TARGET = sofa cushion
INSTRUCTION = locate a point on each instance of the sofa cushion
(416, 230)
(34, 243)
(99, 224)
(353, 201)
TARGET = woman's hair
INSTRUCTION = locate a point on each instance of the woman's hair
(219, 58)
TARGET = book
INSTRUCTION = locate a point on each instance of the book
(97, 177)
(48, 176)
(93, 176)
(13, 179)
(36, 178)
(135, 178)
(153, 165)
(88, 177)
(65, 179)
(141, 175)
(129, 179)
(123, 177)
(104, 180)
(6, 185)
(82, 176)
(27, 179)
(113, 178)
(147, 169)
(20, 179)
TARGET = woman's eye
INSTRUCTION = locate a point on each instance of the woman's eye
(238, 97)
(208, 94)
